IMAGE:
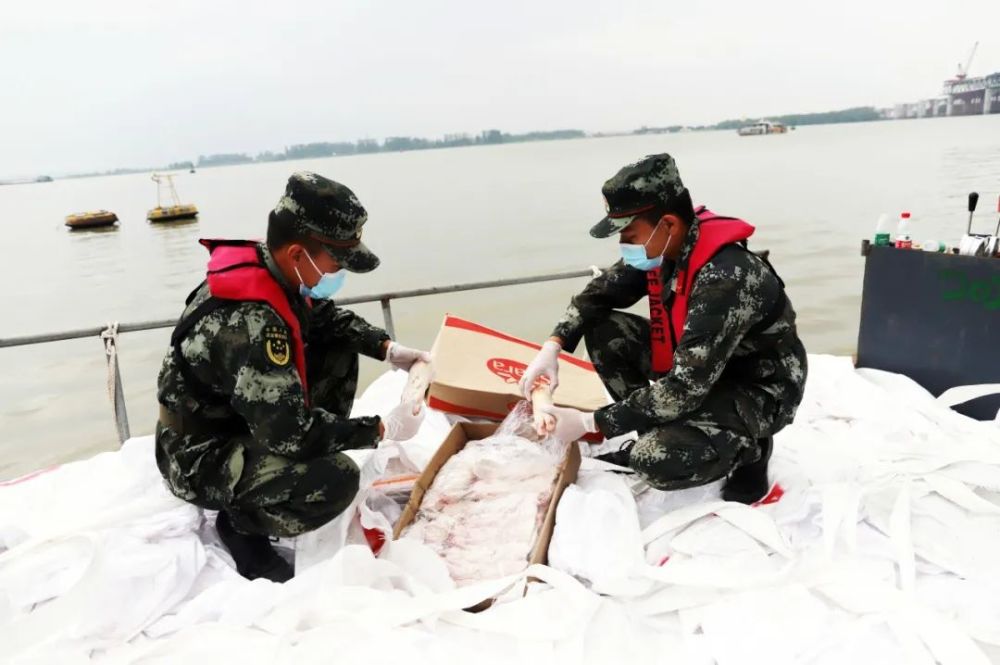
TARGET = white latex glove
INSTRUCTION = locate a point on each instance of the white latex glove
(545, 364)
(571, 424)
(403, 357)
(403, 422)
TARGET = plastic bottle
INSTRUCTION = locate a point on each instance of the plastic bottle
(882, 231)
(903, 239)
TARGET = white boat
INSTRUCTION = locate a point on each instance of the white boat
(762, 128)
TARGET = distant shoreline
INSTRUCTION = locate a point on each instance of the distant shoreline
(322, 150)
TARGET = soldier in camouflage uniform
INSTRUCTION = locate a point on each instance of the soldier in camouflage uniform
(733, 374)
(257, 387)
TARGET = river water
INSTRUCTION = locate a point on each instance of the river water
(448, 216)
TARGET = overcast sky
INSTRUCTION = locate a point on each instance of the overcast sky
(99, 84)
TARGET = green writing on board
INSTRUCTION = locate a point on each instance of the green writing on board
(959, 287)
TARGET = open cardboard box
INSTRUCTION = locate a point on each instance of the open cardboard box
(462, 433)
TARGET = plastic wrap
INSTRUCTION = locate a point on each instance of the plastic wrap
(486, 505)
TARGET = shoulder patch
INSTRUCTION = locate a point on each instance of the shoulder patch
(276, 345)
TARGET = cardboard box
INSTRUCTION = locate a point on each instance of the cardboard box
(476, 371)
(462, 433)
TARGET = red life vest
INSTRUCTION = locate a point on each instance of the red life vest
(235, 272)
(714, 233)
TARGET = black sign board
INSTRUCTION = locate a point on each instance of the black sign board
(935, 318)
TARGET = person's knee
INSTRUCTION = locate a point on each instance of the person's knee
(619, 349)
(325, 490)
(307, 496)
(616, 335)
(596, 334)
(677, 456)
(329, 482)
(333, 380)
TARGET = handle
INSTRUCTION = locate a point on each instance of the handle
(973, 200)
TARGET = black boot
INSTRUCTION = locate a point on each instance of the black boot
(620, 456)
(254, 555)
(748, 484)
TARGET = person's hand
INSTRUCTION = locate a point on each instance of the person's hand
(570, 424)
(545, 365)
(403, 422)
(403, 357)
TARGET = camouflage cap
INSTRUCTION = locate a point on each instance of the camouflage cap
(331, 214)
(652, 181)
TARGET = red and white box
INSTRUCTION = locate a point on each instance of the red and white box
(477, 369)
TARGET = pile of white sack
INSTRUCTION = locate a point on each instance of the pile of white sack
(880, 543)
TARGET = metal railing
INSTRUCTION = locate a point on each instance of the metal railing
(108, 334)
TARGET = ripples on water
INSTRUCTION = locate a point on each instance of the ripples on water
(446, 216)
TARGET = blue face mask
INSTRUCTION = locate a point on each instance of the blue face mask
(635, 255)
(328, 285)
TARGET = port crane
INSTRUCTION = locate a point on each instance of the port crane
(964, 71)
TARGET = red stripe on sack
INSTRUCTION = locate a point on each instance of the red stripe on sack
(28, 476)
(773, 496)
(375, 539)
(451, 321)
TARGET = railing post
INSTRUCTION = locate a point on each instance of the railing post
(387, 317)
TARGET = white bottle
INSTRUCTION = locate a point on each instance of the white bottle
(903, 239)
(882, 231)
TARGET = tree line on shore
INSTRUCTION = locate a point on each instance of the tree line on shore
(322, 149)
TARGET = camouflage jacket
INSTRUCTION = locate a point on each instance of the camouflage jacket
(732, 293)
(241, 388)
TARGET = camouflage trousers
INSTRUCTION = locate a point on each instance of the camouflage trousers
(276, 496)
(695, 449)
